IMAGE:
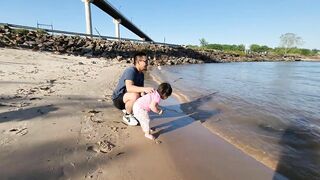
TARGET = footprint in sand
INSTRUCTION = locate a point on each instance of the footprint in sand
(101, 146)
(93, 148)
(19, 131)
(35, 98)
(94, 175)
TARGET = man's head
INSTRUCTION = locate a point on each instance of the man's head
(140, 61)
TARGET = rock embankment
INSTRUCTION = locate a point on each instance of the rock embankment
(120, 50)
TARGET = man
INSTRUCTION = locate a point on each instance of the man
(130, 87)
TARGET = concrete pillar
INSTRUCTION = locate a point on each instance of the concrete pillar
(117, 27)
(88, 16)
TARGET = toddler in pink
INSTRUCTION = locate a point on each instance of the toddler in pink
(150, 102)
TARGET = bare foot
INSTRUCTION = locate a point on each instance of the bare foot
(149, 136)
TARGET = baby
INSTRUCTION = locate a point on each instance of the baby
(150, 102)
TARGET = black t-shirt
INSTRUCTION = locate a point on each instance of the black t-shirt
(131, 73)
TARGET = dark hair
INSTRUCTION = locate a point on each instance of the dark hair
(137, 55)
(164, 89)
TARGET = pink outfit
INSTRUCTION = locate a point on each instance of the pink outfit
(141, 108)
(145, 101)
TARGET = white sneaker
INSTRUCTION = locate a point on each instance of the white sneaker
(130, 120)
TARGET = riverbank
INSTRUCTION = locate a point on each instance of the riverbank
(315, 59)
(122, 51)
(57, 121)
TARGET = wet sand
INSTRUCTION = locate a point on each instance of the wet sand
(57, 122)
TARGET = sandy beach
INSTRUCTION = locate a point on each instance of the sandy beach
(311, 59)
(57, 121)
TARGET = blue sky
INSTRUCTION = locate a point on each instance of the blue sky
(182, 22)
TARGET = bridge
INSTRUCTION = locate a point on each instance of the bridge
(118, 19)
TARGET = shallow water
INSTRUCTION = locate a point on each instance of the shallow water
(270, 110)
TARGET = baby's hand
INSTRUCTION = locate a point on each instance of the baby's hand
(160, 112)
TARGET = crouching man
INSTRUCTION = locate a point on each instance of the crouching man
(130, 87)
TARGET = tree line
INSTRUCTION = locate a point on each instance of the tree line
(289, 44)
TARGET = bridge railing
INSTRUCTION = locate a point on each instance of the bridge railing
(15, 26)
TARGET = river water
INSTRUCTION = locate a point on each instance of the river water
(269, 110)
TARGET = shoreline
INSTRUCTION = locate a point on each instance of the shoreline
(178, 94)
(245, 124)
(311, 59)
(188, 110)
(57, 121)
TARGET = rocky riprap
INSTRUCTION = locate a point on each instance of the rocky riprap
(120, 50)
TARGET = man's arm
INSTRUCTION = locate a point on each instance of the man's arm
(131, 88)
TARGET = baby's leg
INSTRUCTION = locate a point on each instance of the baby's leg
(145, 122)
(143, 117)
(146, 129)
(149, 136)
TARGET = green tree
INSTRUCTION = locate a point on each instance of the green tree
(203, 42)
(259, 49)
(254, 48)
(290, 40)
(241, 47)
(315, 52)
(305, 52)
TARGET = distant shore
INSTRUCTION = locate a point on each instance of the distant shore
(122, 51)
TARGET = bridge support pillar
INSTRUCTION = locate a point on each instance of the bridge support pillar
(117, 27)
(88, 16)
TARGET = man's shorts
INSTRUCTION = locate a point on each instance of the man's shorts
(118, 102)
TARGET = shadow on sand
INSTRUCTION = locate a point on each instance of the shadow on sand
(192, 111)
(56, 159)
(26, 114)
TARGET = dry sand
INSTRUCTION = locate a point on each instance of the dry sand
(316, 59)
(57, 122)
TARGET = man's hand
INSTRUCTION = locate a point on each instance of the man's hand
(142, 94)
(136, 89)
(148, 90)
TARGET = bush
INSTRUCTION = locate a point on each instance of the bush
(226, 47)
(259, 49)
(42, 31)
(21, 31)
